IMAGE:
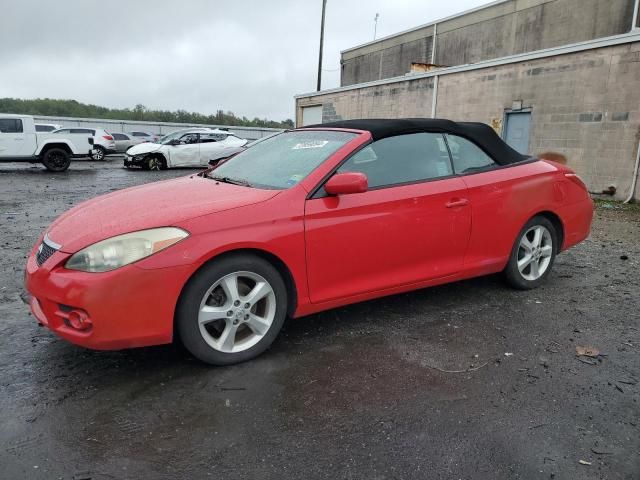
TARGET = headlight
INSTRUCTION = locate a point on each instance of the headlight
(124, 249)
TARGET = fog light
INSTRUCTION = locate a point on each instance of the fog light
(78, 319)
(75, 317)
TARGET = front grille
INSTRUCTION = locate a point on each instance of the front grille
(44, 252)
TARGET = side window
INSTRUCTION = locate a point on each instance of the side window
(119, 136)
(10, 125)
(467, 156)
(189, 138)
(82, 130)
(402, 159)
(211, 137)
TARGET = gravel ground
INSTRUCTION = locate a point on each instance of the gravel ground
(367, 391)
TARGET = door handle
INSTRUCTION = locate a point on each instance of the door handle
(456, 202)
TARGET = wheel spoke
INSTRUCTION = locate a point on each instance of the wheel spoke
(258, 292)
(258, 325)
(230, 286)
(209, 314)
(546, 250)
(535, 269)
(526, 244)
(537, 237)
(228, 337)
(524, 261)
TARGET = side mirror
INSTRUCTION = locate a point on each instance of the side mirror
(346, 183)
(175, 142)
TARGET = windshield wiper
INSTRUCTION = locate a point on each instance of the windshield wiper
(233, 181)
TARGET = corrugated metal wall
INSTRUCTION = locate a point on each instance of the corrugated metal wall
(250, 133)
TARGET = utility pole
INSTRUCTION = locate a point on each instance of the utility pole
(324, 7)
(375, 25)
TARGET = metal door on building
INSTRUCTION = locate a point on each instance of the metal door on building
(516, 130)
(311, 115)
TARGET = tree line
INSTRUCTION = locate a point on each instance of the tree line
(71, 108)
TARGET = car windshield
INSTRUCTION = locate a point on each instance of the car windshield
(283, 160)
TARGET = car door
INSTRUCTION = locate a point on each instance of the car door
(13, 141)
(187, 152)
(412, 224)
(499, 197)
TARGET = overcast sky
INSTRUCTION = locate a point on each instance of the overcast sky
(246, 56)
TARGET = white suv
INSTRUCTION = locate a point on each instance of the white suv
(103, 142)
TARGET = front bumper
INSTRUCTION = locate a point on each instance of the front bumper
(137, 161)
(124, 308)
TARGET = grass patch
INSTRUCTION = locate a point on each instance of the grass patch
(616, 205)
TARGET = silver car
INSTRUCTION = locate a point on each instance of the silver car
(124, 141)
(146, 136)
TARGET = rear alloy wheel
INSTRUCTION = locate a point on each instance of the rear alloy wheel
(533, 254)
(232, 310)
(98, 153)
(56, 160)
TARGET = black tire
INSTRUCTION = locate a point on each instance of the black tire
(512, 273)
(154, 162)
(56, 159)
(188, 308)
(99, 153)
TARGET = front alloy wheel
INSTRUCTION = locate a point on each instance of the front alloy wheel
(154, 163)
(236, 312)
(232, 309)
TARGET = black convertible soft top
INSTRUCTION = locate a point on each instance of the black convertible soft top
(479, 133)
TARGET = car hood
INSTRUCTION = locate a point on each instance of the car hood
(156, 204)
(142, 148)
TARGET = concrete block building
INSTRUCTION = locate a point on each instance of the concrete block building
(558, 76)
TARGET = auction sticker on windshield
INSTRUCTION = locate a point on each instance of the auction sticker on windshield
(310, 144)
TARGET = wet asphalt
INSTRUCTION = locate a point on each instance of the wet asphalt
(470, 380)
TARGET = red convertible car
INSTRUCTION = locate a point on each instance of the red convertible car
(307, 220)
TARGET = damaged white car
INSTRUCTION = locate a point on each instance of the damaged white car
(185, 148)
